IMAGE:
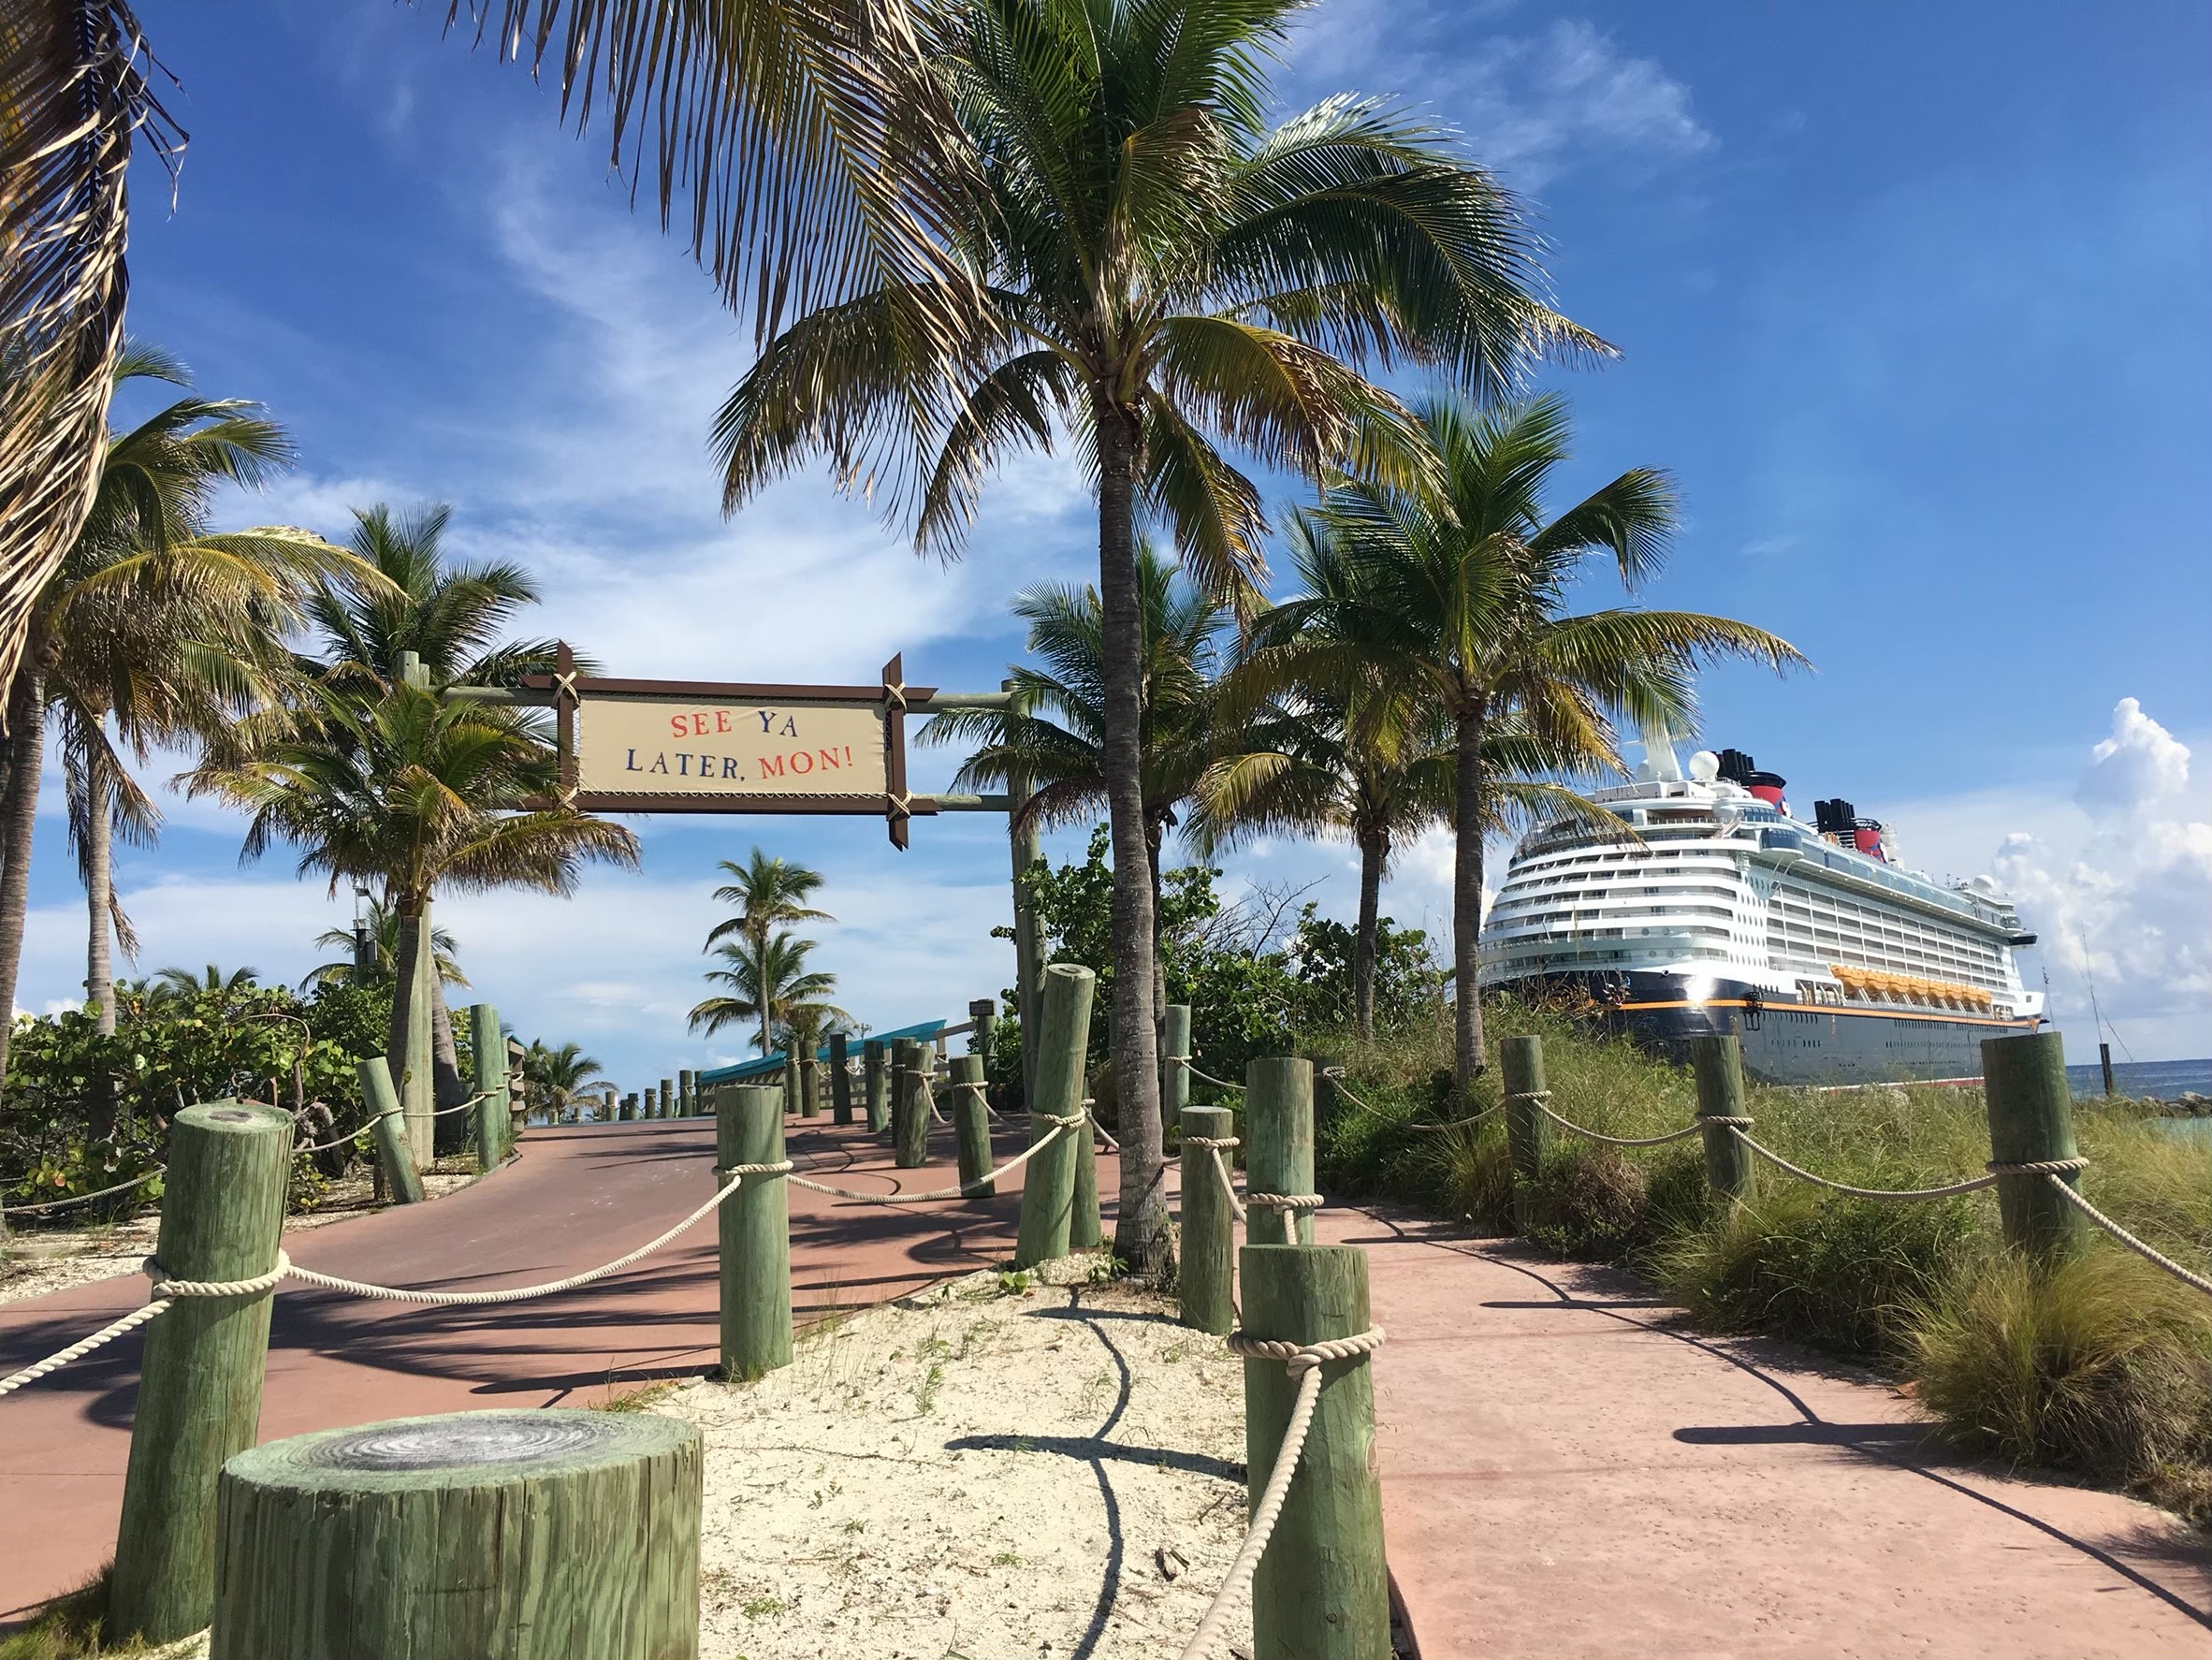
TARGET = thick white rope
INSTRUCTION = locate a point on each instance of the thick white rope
(1286, 1204)
(1905, 1195)
(56, 1204)
(166, 1293)
(54, 1362)
(2149, 1253)
(1213, 1145)
(959, 1190)
(1304, 1362)
(1542, 1099)
(517, 1293)
(1185, 1062)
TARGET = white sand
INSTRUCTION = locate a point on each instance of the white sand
(978, 1472)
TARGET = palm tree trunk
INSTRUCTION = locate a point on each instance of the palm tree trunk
(453, 1130)
(1141, 1228)
(1375, 852)
(760, 980)
(407, 969)
(1467, 903)
(19, 812)
(1154, 836)
(99, 962)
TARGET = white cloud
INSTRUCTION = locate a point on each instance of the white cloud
(2138, 765)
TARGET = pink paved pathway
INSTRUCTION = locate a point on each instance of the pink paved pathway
(1564, 1475)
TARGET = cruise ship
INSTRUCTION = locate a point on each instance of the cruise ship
(1714, 908)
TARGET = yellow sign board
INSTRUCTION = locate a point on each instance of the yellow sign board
(731, 746)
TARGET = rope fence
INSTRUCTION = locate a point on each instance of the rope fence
(960, 1189)
(2149, 1253)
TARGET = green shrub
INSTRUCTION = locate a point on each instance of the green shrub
(2102, 1366)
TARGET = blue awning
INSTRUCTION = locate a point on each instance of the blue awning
(770, 1065)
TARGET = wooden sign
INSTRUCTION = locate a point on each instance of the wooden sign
(700, 745)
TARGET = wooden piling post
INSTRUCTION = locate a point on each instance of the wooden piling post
(840, 1079)
(909, 1115)
(667, 1102)
(1528, 1132)
(687, 1092)
(1716, 1061)
(971, 1125)
(1048, 1181)
(755, 1236)
(791, 1080)
(395, 1144)
(628, 1109)
(487, 1063)
(555, 1535)
(199, 1384)
(1279, 1143)
(982, 1041)
(1174, 1065)
(1321, 1592)
(2104, 1064)
(1083, 1233)
(872, 1066)
(810, 1086)
(2031, 1119)
(1203, 1280)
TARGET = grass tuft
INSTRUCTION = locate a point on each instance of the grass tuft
(70, 1628)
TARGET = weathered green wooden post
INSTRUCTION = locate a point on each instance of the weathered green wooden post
(840, 1079)
(983, 1015)
(810, 1086)
(687, 1093)
(628, 1109)
(1031, 954)
(199, 1389)
(1716, 1062)
(1084, 1232)
(971, 1125)
(667, 1103)
(755, 1236)
(555, 1535)
(1528, 1132)
(910, 1113)
(791, 1080)
(1321, 1592)
(872, 1065)
(487, 1062)
(1063, 1032)
(1279, 1143)
(1328, 1099)
(1174, 1065)
(1203, 1283)
(2031, 1121)
(395, 1147)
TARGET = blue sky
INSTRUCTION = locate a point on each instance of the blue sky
(1912, 298)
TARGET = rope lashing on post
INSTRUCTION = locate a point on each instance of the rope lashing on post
(1185, 1062)
(1542, 1099)
(518, 1293)
(1289, 1204)
(928, 1094)
(2150, 1254)
(959, 1190)
(981, 1091)
(1304, 1362)
(165, 1292)
(1213, 1145)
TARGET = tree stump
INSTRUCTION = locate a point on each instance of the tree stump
(474, 1536)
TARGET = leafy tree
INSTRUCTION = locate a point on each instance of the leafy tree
(1404, 981)
(1458, 583)
(768, 892)
(1159, 274)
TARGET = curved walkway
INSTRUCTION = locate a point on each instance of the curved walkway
(1565, 1473)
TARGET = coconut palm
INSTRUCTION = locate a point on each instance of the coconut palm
(1459, 584)
(554, 1078)
(381, 924)
(157, 624)
(768, 892)
(1161, 275)
(764, 986)
(1054, 735)
(419, 797)
(804, 144)
(186, 983)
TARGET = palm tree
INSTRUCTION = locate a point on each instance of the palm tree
(1459, 586)
(381, 925)
(1054, 734)
(765, 986)
(805, 143)
(1159, 274)
(555, 1077)
(157, 623)
(420, 796)
(768, 892)
(187, 983)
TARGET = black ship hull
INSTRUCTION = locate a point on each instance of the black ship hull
(1785, 1040)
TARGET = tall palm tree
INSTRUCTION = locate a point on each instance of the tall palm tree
(553, 1078)
(419, 797)
(804, 145)
(157, 623)
(766, 986)
(381, 925)
(1054, 735)
(768, 892)
(1459, 584)
(1159, 274)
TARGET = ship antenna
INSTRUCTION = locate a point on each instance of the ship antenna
(2089, 974)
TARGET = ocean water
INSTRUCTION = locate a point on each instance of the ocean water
(2146, 1080)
